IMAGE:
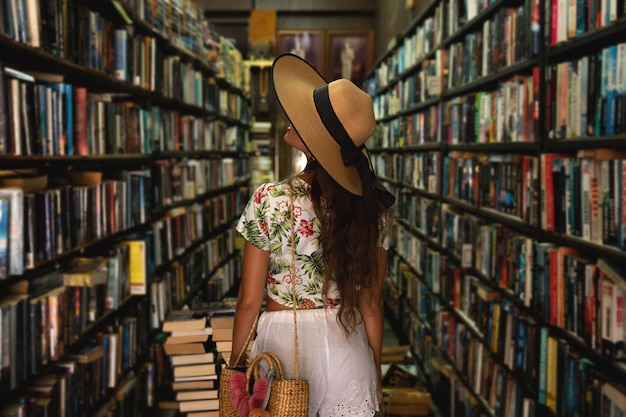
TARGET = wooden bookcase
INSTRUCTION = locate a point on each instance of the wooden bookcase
(501, 131)
(122, 133)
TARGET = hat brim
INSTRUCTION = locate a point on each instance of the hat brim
(294, 81)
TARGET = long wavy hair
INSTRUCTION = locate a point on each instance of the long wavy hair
(349, 241)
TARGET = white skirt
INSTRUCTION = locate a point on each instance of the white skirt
(341, 371)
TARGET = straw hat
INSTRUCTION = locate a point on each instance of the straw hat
(334, 120)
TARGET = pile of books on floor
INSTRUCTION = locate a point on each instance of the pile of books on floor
(406, 402)
(196, 343)
(396, 354)
(192, 364)
(222, 336)
(403, 395)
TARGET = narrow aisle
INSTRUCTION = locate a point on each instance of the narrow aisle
(389, 336)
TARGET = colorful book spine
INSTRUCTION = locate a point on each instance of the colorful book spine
(15, 239)
(120, 59)
(4, 238)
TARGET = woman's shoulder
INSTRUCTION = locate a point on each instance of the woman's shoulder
(270, 191)
(274, 189)
(282, 187)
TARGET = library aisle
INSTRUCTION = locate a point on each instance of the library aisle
(128, 154)
(389, 336)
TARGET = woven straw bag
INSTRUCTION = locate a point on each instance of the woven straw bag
(226, 408)
(285, 397)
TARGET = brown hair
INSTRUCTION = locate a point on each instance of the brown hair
(348, 239)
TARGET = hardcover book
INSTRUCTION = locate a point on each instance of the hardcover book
(194, 370)
(4, 237)
(397, 377)
(194, 385)
(16, 225)
(208, 357)
(185, 349)
(200, 405)
(180, 322)
(195, 338)
(197, 395)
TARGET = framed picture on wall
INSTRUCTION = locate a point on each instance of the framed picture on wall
(350, 54)
(308, 44)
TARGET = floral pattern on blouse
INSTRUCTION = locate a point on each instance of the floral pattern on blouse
(266, 224)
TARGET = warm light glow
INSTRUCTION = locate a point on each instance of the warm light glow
(300, 161)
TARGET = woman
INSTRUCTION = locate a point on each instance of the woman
(340, 221)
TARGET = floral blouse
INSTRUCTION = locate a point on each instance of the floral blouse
(266, 222)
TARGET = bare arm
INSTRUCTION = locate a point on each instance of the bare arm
(371, 307)
(250, 296)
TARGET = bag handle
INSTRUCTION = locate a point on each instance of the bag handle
(272, 360)
(293, 278)
(274, 367)
(244, 348)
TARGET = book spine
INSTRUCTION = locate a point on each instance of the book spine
(594, 202)
(4, 139)
(617, 324)
(121, 51)
(69, 119)
(80, 121)
(16, 229)
(609, 338)
(585, 170)
(4, 239)
(622, 203)
(137, 267)
(543, 366)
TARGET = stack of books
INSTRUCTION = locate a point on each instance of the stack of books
(222, 336)
(193, 366)
(221, 316)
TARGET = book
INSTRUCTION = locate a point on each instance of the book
(16, 225)
(398, 377)
(196, 378)
(28, 180)
(212, 309)
(194, 332)
(183, 322)
(176, 340)
(196, 395)
(194, 385)
(208, 357)
(168, 405)
(223, 346)
(194, 370)
(184, 349)
(214, 413)
(137, 274)
(80, 121)
(615, 272)
(616, 397)
(221, 334)
(39, 284)
(200, 405)
(408, 403)
(88, 354)
(4, 140)
(222, 322)
(4, 237)
(86, 272)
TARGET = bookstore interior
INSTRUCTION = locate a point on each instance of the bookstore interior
(133, 132)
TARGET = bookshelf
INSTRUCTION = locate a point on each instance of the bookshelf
(123, 127)
(500, 128)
